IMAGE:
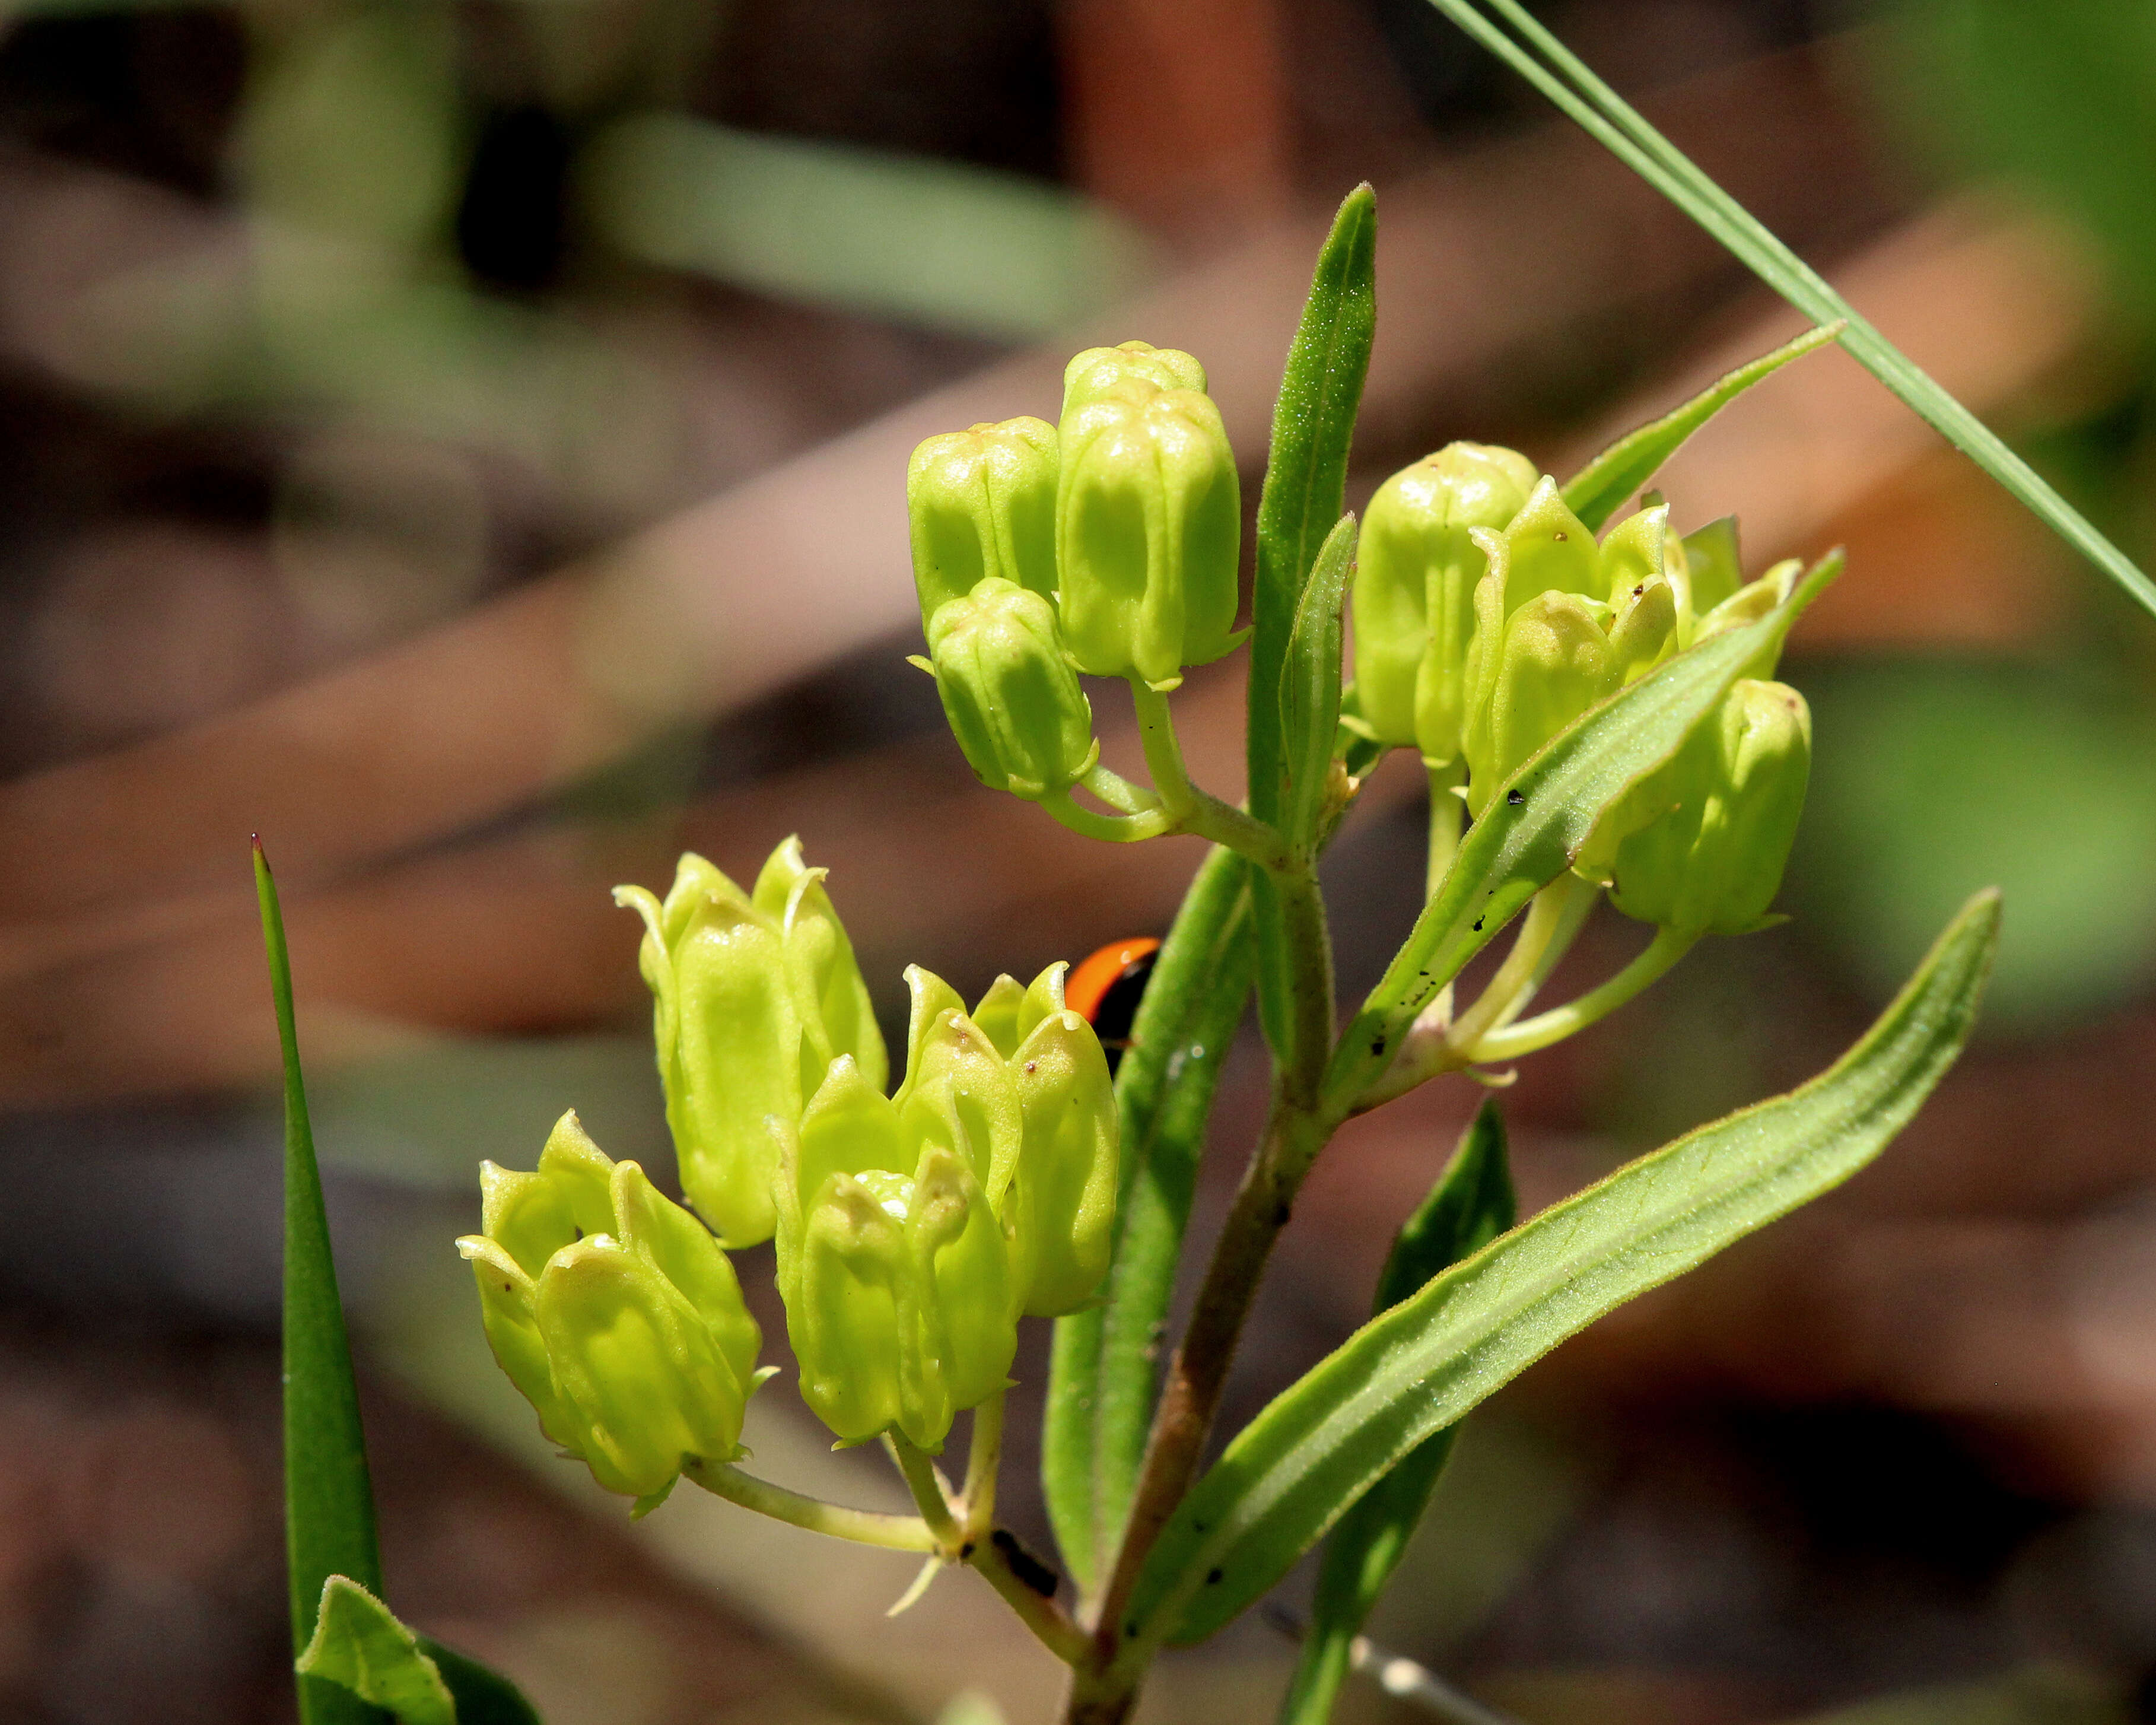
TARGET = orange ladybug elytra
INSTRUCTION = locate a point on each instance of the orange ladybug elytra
(1105, 991)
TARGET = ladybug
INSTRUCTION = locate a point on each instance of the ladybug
(1105, 988)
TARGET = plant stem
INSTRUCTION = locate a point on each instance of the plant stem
(1118, 793)
(864, 1527)
(1116, 829)
(1502, 1043)
(978, 1498)
(1191, 810)
(1050, 1624)
(918, 1469)
(1436, 1044)
(1446, 810)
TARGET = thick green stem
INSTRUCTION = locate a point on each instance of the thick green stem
(1510, 1044)
(862, 1526)
(1050, 1624)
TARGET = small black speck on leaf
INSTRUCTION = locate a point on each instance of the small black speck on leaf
(1478, 924)
(1516, 797)
(1212, 1576)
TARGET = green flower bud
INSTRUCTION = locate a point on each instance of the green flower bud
(913, 1230)
(1098, 371)
(754, 997)
(1713, 863)
(1543, 654)
(1148, 518)
(982, 503)
(894, 1266)
(1064, 1204)
(615, 1313)
(1011, 697)
(1415, 572)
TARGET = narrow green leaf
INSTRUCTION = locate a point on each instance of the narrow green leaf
(1310, 684)
(1620, 129)
(1599, 489)
(329, 1503)
(1305, 491)
(483, 1697)
(1289, 1474)
(1539, 820)
(1103, 1374)
(1470, 1205)
(360, 1647)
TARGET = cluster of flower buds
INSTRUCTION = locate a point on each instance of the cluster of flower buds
(914, 1230)
(1105, 544)
(1488, 618)
(615, 1312)
(756, 994)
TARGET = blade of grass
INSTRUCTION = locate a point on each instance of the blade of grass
(1620, 130)
(329, 1502)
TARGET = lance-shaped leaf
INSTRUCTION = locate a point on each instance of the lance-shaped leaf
(1103, 1376)
(1293, 1471)
(1306, 490)
(1470, 1205)
(1539, 820)
(329, 1501)
(1599, 489)
(1310, 685)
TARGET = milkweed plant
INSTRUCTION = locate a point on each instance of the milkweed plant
(1590, 688)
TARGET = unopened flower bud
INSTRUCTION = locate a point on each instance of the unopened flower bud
(615, 1313)
(1560, 624)
(1098, 371)
(1713, 863)
(895, 1270)
(1064, 1202)
(1012, 699)
(982, 503)
(753, 997)
(1148, 519)
(1415, 572)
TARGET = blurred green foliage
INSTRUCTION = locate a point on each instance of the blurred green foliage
(1932, 778)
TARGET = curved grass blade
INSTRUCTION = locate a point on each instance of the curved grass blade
(1472, 1204)
(1539, 819)
(1614, 124)
(1599, 489)
(1305, 492)
(1103, 1374)
(1310, 685)
(1289, 1474)
(329, 1502)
